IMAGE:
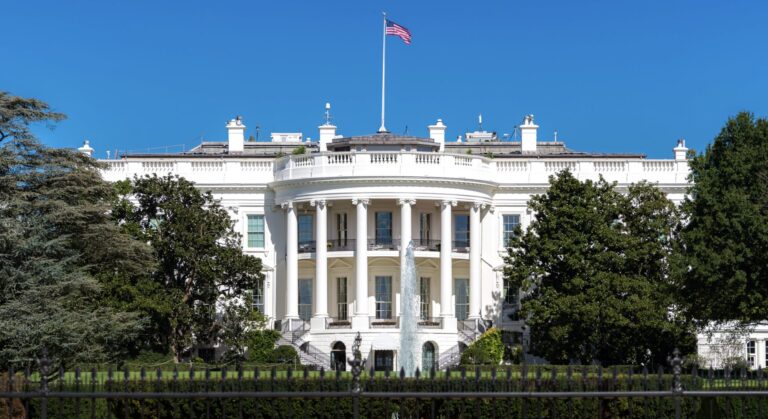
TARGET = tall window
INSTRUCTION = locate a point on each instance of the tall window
(305, 299)
(427, 356)
(462, 298)
(383, 297)
(461, 235)
(510, 293)
(424, 298)
(256, 231)
(258, 297)
(510, 223)
(751, 352)
(341, 297)
(341, 228)
(383, 228)
(305, 228)
(425, 226)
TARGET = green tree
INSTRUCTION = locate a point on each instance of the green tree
(54, 224)
(724, 244)
(488, 349)
(594, 267)
(199, 257)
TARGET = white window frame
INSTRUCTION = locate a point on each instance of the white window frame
(247, 243)
(502, 244)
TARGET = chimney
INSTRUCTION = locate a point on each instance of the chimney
(528, 135)
(236, 135)
(437, 133)
(86, 149)
(327, 130)
(681, 151)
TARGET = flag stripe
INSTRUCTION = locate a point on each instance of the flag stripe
(394, 29)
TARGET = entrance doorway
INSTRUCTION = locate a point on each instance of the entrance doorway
(339, 357)
(383, 360)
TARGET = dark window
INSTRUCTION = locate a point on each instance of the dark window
(383, 297)
(305, 228)
(510, 221)
(461, 235)
(384, 228)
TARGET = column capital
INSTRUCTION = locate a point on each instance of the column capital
(287, 205)
(364, 201)
(320, 203)
(447, 202)
(492, 208)
(404, 201)
(478, 205)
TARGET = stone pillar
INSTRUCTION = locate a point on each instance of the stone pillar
(360, 319)
(446, 262)
(475, 242)
(321, 264)
(291, 262)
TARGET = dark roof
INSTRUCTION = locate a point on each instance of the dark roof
(385, 138)
(514, 149)
(221, 149)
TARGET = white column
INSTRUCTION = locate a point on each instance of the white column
(446, 264)
(321, 262)
(474, 260)
(361, 263)
(405, 225)
(291, 262)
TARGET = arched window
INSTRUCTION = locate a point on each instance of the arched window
(427, 356)
(339, 357)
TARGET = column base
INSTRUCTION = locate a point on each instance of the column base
(317, 322)
(360, 322)
(449, 323)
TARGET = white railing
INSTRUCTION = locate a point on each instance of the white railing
(518, 170)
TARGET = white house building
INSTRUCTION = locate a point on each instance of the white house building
(330, 226)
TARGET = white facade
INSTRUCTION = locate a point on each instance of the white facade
(364, 198)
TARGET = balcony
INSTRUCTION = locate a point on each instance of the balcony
(430, 323)
(383, 244)
(426, 245)
(392, 323)
(384, 164)
(307, 246)
(337, 323)
(338, 245)
(461, 246)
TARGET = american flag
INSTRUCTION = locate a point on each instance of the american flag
(397, 30)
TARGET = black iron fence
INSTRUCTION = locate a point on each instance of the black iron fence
(514, 391)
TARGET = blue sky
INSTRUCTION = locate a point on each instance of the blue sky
(609, 76)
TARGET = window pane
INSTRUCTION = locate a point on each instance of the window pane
(383, 297)
(425, 226)
(424, 298)
(462, 298)
(256, 231)
(305, 228)
(258, 297)
(305, 299)
(461, 235)
(510, 221)
(341, 297)
(510, 293)
(383, 228)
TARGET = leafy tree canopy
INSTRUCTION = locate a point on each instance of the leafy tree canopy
(57, 242)
(594, 267)
(724, 251)
(199, 256)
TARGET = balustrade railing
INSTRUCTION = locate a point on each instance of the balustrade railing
(307, 246)
(430, 323)
(337, 323)
(383, 244)
(430, 245)
(375, 323)
(337, 245)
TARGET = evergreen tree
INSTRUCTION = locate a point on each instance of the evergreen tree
(57, 241)
(724, 253)
(594, 267)
(200, 260)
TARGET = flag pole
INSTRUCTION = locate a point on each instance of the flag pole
(383, 69)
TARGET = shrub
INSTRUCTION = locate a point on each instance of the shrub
(299, 150)
(261, 345)
(285, 354)
(488, 349)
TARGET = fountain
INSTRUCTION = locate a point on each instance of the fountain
(409, 314)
